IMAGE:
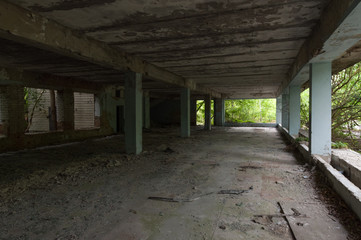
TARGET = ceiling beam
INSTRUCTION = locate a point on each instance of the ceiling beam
(29, 28)
(10, 76)
(338, 30)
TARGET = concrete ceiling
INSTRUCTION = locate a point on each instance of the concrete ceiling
(240, 48)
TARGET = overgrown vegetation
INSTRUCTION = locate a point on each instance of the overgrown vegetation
(346, 107)
(240, 111)
(251, 110)
(339, 145)
(32, 99)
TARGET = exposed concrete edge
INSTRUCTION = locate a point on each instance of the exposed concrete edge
(30, 141)
(272, 125)
(347, 160)
(348, 191)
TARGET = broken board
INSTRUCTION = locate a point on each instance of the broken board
(317, 226)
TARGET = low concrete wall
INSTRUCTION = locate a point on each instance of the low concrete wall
(44, 139)
(348, 191)
(349, 162)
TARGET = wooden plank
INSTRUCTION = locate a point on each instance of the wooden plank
(317, 226)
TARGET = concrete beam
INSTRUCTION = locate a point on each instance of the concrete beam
(185, 113)
(337, 31)
(133, 112)
(23, 26)
(320, 109)
(9, 76)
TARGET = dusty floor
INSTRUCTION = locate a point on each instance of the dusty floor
(92, 190)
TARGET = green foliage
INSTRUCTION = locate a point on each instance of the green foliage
(32, 99)
(201, 112)
(239, 111)
(346, 105)
(251, 110)
(346, 99)
(302, 139)
(339, 145)
(305, 119)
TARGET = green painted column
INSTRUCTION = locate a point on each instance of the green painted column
(279, 110)
(133, 112)
(185, 112)
(295, 110)
(207, 115)
(13, 120)
(219, 112)
(285, 109)
(320, 108)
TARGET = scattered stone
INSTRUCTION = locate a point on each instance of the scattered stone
(132, 211)
(222, 227)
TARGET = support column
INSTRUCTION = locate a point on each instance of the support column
(146, 107)
(279, 110)
(207, 115)
(133, 112)
(65, 109)
(4, 118)
(12, 111)
(219, 112)
(285, 109)
(193, 110)
(295, 110)
(320, 108)
(185, 112)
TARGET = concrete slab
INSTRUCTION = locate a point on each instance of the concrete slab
(93, 190)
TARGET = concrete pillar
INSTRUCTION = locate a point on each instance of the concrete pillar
(185, 112)
(12, 111)
(4, 118)
(219, 112)
(133, 112)
(97, 111)
(279, 110)
(207, 115)
(146, 110)
(65, 109)
(320, 108)
(295, 110)
(285, 109)
(193, 110)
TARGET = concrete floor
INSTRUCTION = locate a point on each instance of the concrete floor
(92, 190)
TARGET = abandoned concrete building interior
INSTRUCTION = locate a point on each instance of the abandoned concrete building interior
(98, 134)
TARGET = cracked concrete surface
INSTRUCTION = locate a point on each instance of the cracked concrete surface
(92, 190)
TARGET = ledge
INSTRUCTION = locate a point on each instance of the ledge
(26, 141)
(349, 162)
(348, 191)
